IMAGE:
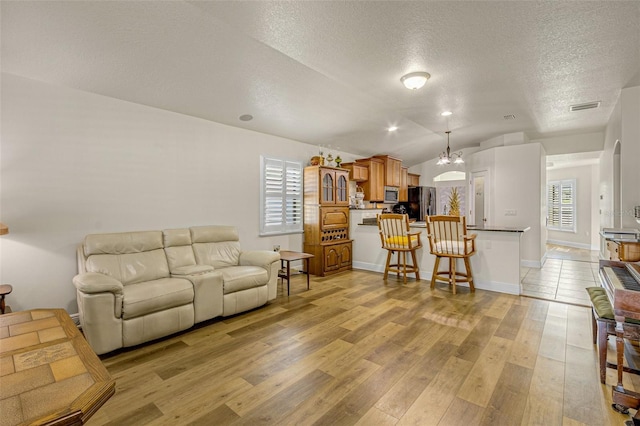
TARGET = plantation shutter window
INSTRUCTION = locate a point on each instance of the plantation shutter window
(280, 196)
(561, 205)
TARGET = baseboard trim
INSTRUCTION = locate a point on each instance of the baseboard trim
(496, 286)
(571, 244)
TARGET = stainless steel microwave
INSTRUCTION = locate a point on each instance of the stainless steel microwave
(391, 194)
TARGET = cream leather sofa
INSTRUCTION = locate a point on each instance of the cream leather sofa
(134, 287)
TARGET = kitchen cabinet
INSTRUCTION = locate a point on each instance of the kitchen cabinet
(392, 170)
(374, 186)
(326, 186)
(326, 219)
(403, 195)
(357, 172)
(413, 179)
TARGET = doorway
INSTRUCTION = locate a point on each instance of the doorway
(479, 202)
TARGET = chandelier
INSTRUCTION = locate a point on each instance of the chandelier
(447, 158)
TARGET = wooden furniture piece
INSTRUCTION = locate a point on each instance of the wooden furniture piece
(374, 186)
(395, 236)
(50, 375)
(603, 325)
(357, 171)
(621, 281)
(326, 220)
(448, 238)
(403, 195)
(291, 256)
(623, 251)
(392, 170)
(413, 179)
(4, 290)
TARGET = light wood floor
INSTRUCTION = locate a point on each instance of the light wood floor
(354, 350)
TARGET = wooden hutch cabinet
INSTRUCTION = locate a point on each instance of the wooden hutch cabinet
(326, 219)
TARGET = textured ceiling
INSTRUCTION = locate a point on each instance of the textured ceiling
(329, 72)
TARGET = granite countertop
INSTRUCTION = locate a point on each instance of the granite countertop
(621, 236)
(492, 228)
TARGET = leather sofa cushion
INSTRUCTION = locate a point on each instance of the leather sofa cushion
(177, 237)
(131, 268)
(218, 255)
(237, 278)
(214, 234)
(153, 296)
(122, 243)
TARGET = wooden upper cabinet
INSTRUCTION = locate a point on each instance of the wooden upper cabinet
(413, 179)
(326, 186)
(392, 170)
(374, 186)
(357, 172)
(404, 188)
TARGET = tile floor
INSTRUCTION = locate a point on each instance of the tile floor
(563, 277)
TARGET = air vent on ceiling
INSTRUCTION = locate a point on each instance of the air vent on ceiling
(509, 117)
(588, 105)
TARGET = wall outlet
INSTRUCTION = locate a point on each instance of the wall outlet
(510, 212)
(276, 247)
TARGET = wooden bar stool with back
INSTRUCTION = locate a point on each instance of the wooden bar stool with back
(448, 238)
(395, 237)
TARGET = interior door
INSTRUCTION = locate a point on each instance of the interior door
(479, 205)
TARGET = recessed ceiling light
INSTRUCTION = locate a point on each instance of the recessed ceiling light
(246, 117)
(392, 128)
(446, 113)
(415, 80)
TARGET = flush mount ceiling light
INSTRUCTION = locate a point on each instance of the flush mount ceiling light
(415, 80)
(392, 128)
(246, 117)
(447, 158)
(446, 113)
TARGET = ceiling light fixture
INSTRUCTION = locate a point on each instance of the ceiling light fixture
(392, 128)
(446, 113)
(415, 80)
(446, 157)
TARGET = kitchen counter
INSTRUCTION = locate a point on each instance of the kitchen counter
(495, 266)
(621, 235)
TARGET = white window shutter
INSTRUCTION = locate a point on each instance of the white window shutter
(281, 196)
(561, 205)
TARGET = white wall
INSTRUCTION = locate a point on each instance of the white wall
(75, 163)
(514, 183)
(586, 224)
(569, 144)
(623, 125)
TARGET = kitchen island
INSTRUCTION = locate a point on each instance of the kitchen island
(495, 266)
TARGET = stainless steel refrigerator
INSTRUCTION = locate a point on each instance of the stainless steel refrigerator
(422, 202)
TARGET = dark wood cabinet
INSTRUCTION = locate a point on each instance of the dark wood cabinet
(326, 219)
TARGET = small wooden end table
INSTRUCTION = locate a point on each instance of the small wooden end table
(50, 374)
(4, 290)
(288, 257)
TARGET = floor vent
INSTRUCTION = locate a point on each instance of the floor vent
(588, 105)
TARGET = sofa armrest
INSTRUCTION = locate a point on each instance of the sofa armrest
(93, 282)
(262, 258)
